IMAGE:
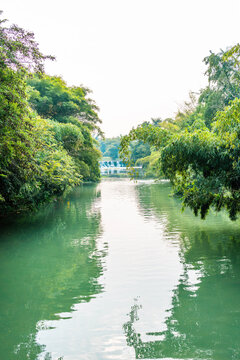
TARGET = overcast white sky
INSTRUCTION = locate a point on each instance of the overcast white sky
(139, 57)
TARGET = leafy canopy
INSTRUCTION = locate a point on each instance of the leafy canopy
(40, 158)
(200, 153)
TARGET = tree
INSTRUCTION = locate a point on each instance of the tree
(139, 150)
(53, 99)
(202, 158)
(74, 119)
(19, 50)
(109, 147)
(33, 166)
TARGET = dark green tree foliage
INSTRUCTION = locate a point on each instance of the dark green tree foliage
(204, 165)
(139, 150)
(53, 99)
(33, 166)
(202, 158)
(37, 159)
(74, 117)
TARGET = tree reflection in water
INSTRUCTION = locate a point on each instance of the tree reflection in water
(204, 319)
(50, 261)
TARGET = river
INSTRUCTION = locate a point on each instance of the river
(117, 271)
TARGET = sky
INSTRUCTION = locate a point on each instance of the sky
(140, 58)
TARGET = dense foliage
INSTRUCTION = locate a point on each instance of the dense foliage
(199, 150)
(109, 148)
(40, 158)
(53, 99)
(73, 119)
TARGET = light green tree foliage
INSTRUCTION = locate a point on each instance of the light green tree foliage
(202, 159)
(73, 119)
(150, 165)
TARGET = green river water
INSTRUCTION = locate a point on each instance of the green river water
(117, 271)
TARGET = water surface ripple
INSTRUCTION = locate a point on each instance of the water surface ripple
(117, 271)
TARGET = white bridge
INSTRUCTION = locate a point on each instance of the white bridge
(114, 167)
(117, 164)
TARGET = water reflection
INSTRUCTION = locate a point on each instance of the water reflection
(204, 318)
(49, 262)
(58, 287)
